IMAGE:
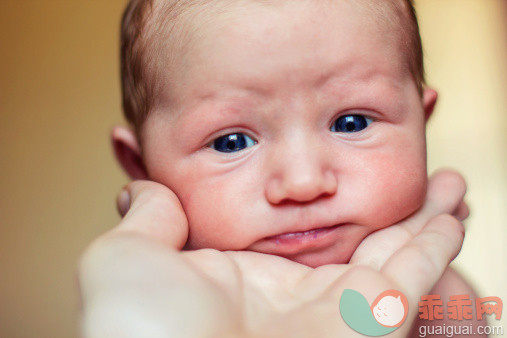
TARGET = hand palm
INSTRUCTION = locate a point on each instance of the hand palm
(167, 292)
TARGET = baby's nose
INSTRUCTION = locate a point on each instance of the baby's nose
(300, 176)
(301, 189)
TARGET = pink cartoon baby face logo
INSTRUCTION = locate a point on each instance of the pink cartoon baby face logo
(390, 308)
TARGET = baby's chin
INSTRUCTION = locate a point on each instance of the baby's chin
(338, 254)
(333, 245)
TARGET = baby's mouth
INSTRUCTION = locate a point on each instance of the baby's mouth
(299, 242)
(313, 233)
(314, 247)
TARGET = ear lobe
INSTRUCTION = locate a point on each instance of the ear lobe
(128, 152)
(430, 97)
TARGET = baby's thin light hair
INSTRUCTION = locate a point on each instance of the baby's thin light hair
(405, 22)
(148, 24)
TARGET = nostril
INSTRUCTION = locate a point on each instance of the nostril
(300, 185)
(288, 201)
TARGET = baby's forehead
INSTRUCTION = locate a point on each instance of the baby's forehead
(174, 27)
(169, 31)
(176, 23)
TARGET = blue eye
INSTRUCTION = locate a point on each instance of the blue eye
(350, 124)
(232, 143)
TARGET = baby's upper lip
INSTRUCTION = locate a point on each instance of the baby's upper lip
(301, 230)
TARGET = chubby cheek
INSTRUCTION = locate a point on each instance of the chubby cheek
(396, 187)
(208, 226)
(217, 212)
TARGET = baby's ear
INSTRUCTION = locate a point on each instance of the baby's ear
(430, 96)
(128, 152)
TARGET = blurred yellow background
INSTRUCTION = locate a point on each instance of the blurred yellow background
(59, 98)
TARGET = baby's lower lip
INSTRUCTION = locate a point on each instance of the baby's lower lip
(301, 241)
(290, 236)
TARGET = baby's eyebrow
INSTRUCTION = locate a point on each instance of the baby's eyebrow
(211, 98)
(217, 105)
(230, 101)
(235, 91)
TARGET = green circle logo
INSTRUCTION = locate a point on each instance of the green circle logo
(387, 312)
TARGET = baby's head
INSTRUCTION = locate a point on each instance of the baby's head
(293, 128)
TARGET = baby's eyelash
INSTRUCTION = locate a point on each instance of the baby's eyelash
(233, 142)
(350, 123)
(237, 141)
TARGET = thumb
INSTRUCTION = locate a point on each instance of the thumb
(152, 209)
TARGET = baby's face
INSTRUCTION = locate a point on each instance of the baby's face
(293, 130)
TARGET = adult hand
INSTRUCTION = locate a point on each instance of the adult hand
(136, 282)
(446, 190)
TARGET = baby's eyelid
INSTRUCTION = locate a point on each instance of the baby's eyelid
(229, 133)
(364, 113)
(351, 122)
(232, 142)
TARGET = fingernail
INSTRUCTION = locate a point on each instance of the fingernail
(123, 202)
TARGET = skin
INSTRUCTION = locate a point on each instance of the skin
(257, 79)
(135, 281)
(300, 175)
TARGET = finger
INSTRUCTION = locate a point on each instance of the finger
(376, 249)
(462, 211)
(419, 264)
(153, 210)
(123, 202)
(446, 189)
